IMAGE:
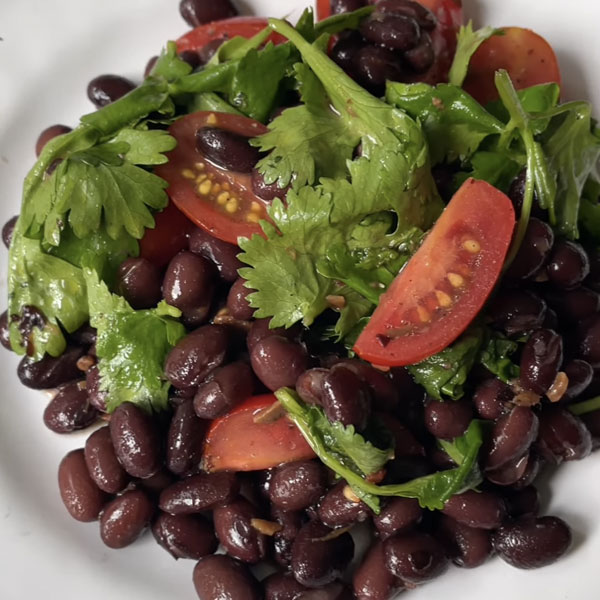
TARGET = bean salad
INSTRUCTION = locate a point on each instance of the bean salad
(323, 296)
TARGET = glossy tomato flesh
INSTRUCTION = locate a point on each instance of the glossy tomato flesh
(218, 200)
(445, 284)
(236, 442)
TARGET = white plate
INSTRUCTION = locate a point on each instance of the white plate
(50, 50)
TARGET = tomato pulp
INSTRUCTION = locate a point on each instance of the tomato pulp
(445, 284)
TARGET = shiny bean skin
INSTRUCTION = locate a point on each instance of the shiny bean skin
(260, 330)
(226, 149)
(343, 6)
(185, 439)
(125, 518)
(521, 503)
(185, 536)
(541, 358)
(448, 420)
(196, 355)
(580, 374)
(374, 66)
(220, 577)
(466, 546)
(310, 385)
(569, 265)
(319, 558)
(516, 193)
(517, 311)
(335, 510)
(267, 191)
(372, 580)
(392, 31)
(189, 285)
(70, 409)
(491, 397)
(102, 463)
(7, 230)
(588, 340)
(199, 493)
(237, 301)
(512, 436)
(297, 485)
(291, 522)
(96, 396)
(592, 422)
(199, 12)
(233, 526)
(282, 586)
(576, 304)
(482, 510)
(422, 56)
(136, 440)
(534, 466)
(48, 134)
(534, 250)
(563, 436)
(105, 89)
(220, 253)
(157, 483)
(278, 362)
(192, 58)
(50, 372)
(81, 496)
(345, 50)
(414, 557)
(397, 516)
(346, 398)
(530, 543)
(509, 473)
(5, 331)
(423, 16)
(139, 282)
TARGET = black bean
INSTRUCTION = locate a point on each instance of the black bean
(374, 66)
(237, 301)
(343, 6)
(588, 340)
(405, 442)
(192, 58)
(185, 440)
(592, 422)
(392, 31)
(524, 502)
(319, 556)
(278, 362)
(575, 305)
(569, 264)
(199, 493)
(448, 420)
(422, 56)
(398, 515)
(563, 436)
(260, 330)
(517, 311)
(509, 473)
(516, 193)
(530, 543)
(550, 320)
(149, 66)
(70, 409)
(226, 149)
(102, 463)
(185, 536)
(96, 396)
(414, 557)
(466, 546)
(139, 281)
(424, 17)
(267, 191)
(345, 50)
(346, 398)
(220, 577)
(50, 372)
(291, 522)
(405, 468)
(7, 230)
(48, 134)
(199, 12)
(220, 253)
(372, 580)
(196, 355)
(104, 89)
(332, 591)
(282, 586)
(337, 510)
(491, 398)
(534, 250)
(310, 385)
(136, 440)
(297, 485)
(580, 374)
(125, 518)
(482, 510)
(157, 483)
(541, 358)
(81, 496)
(85, 336)
(534, 466)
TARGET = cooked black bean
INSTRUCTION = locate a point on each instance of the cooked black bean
(332, 591)
(466, 546)
(344, 6)
(136, 440)
(196, 355)
(541, 358)
(139, 281)
(220, 253)
(372, 580)
(346, 398)
(7, 230)
(563, 436)
(534, 466)
(345, 50)
(149, 66)
(374, 66)
(96, 396)
(237, 301)
(236, 532)
(337, 509)
(405, 442)
(569, 264)
(576, 304)
(185, 536)
(125, 518)
(405, 468)
(392, 31)
(448, 420)
(226, 149)
(48, 134)
(534, 250)
(297, 485)
(509, 473)
(260, 330)
(530, 543)
(185, 440)
(414, 557)
(310, 385)
(291, 522)
(517, 311)
(5, 331)
(199, 12)
(81, 496)
(592, 422)
(157, 483)
(102, 463)
(550, 320)
(278, 362)
(50, 372)
(282, 586)
(320, 556)
(524, 502)
(423, 16)
(198, 493)
(70, 409)
(189, 285)
(422, 56)
(580, 374)
(491, 397)
(86, 335)
(482, 510)
(104, 89)
(516, 193)
(192, 58)
(397, 516)
(220, 577)
(512, 436)
(267, 191)
(588, 340)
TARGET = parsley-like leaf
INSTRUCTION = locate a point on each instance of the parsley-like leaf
(146, 147)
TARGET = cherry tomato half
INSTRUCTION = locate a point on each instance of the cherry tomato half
(445, 284)
(219, 201)
(528, 58)
(236, 442)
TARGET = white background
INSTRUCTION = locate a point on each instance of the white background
(50, 49)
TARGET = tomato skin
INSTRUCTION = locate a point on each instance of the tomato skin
(236, 443)
(446, 283)
(528, 58)
(323, 9)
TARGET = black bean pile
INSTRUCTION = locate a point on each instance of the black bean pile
(138, 473)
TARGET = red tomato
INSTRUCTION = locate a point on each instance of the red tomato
(236, 442)
(528, 58)
(169, 236)
(323, 9)
(220, 201)
(444, 285)
(227, 28)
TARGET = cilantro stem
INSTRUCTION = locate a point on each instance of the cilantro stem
(588, 406)
(207, 80)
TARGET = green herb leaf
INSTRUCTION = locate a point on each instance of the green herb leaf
(495, 357)
(146, 147)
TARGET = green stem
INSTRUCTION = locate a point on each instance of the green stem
(588, 406)
(207, 80)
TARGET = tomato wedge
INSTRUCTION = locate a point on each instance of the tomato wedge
(445, 284)
(528, 58)
(218, 200)
(236, 442)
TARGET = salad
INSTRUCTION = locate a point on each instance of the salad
(337, 205)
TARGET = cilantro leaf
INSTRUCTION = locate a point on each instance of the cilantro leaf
(146, 147)
(495, 357)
